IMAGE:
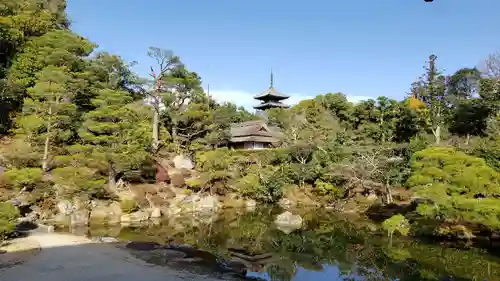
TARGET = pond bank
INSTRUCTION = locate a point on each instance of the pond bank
(69, 257)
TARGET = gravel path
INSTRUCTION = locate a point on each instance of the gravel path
(72, 258)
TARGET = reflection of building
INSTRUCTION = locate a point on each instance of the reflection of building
(257, 134)
(254, 263)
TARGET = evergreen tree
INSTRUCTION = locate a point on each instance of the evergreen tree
(114, 135)
(431, 90)
(48, 112)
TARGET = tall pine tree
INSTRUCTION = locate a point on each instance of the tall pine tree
(47, 113)
(115, 137)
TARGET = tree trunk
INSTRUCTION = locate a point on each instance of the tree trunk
(45, 160)
(388, 193)
(467, 139)
(111, 177)
(175, 135)
(156, 123)
(437, 134)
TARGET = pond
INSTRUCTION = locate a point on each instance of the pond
(330, 247)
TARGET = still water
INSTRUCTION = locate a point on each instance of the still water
(328, 247)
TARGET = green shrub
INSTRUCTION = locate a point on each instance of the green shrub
(457, 186)
(489, 150)
(396, 223)
(8, 216)
(249, 186)
(76, 181)
(20, 178)
(194, 183)
(264, 184)
(327, 189)
(129, 206)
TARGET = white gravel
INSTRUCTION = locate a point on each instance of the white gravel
(72, 258)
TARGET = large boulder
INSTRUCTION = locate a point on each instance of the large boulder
(196, 204)
(136, 217)
(65, 207)
(62, 220)
(156, 213)
(161, 175)
(288, 222)
(177, 180)
(81, 212)
(80, 217)
(106, 212)
(183, 162)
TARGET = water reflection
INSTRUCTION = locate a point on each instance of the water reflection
(329, 247)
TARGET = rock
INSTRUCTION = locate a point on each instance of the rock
(173, 210)
(250, 204)
(62, 220)
(207, 203)
(190, 199)
(80, 217)
(287, 219)
(177, 179)
(65, 207)
(183, 162)
(15, 202)
(234, 203)
(45, 228)
(156, 213)
(371, 197)
(108, 240)
(136, 217)
(286, 228)
(162, 175)
(104, 212)
(285, 203)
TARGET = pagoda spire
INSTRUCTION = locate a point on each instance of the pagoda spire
(272, 79)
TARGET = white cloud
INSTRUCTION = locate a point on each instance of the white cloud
(245, 99)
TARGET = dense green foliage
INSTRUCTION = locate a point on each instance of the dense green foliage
(77, 122)
(459, 186)
(8, 216)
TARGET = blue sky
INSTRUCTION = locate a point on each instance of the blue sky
(363, 48)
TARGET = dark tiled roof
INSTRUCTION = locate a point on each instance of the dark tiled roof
(271, 94)
(270, 104)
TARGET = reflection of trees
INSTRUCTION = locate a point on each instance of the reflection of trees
(327, 240)
(280, 273)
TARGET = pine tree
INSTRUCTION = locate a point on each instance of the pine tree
(431, 90)
(47, 113)
(115, 137)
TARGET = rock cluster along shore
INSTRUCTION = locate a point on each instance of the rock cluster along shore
(169, 197)
(75, 213)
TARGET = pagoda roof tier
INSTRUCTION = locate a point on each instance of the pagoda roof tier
(270, 104)
(271, 94)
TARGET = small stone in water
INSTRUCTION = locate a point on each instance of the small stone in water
(108, 240)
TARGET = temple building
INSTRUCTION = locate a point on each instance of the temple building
(258, 134)
(254, 135)
(271, 98)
